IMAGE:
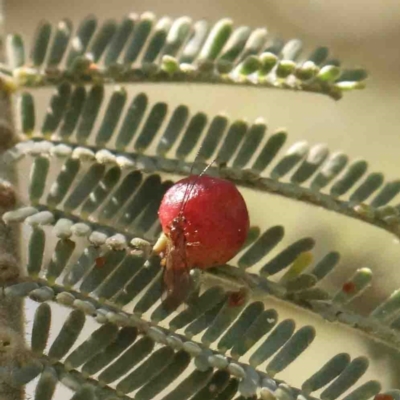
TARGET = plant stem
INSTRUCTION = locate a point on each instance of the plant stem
(11, 316)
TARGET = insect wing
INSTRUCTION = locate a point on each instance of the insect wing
(176, 279)
(178, 285)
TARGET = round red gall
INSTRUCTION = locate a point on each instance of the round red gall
(100, 262)
(216, 220)
(348, 287)
(238, 298)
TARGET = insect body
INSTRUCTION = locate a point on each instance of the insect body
(176, 278)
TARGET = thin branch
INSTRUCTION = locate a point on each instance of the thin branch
(141, 76)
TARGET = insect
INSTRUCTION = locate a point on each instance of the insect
(205, 223)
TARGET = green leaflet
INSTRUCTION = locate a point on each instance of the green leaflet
(309, 169)
(138, 48)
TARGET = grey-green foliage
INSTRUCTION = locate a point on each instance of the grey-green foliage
(95, 183)
(142, 48)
